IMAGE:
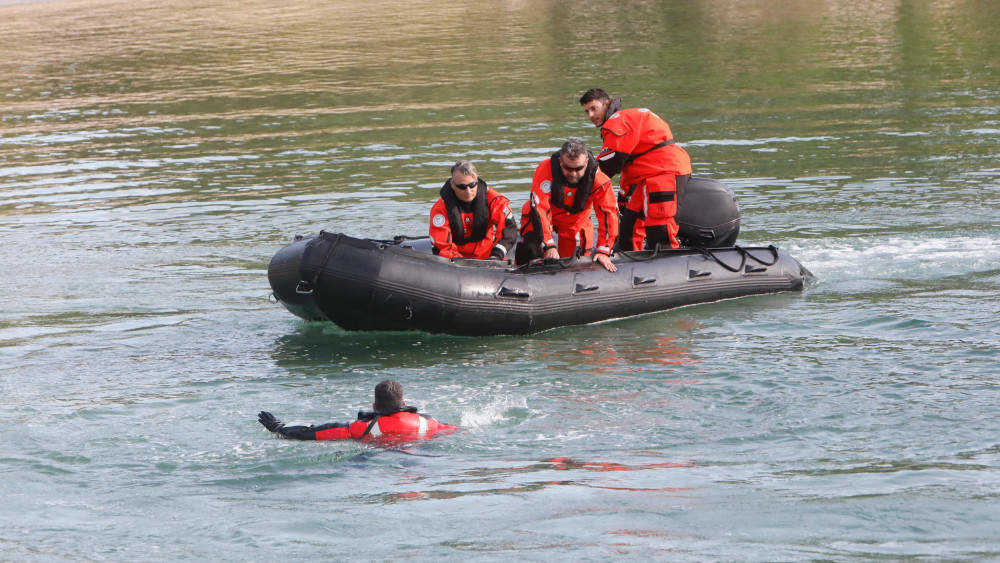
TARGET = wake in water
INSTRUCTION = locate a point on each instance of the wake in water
(897, 257)
(492, 413)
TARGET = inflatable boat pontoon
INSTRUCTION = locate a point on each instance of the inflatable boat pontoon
(362, 284)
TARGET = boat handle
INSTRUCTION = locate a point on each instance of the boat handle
(303, 288)
(642, 281)
(580, 288)
(754, 269)
(698, 274)
(508, 292)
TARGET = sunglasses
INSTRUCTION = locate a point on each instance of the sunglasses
(572, 168)
(468, 186)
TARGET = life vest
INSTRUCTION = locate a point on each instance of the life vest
(405, 425)
(582, 191)
(480, 213)
(473, 229)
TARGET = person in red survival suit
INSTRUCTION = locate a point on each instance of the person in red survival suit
(564, 190)
(654, 169)
(471, 220)
(391, 420)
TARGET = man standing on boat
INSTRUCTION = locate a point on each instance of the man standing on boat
(654, 169)
(565, 189)
(471, 220)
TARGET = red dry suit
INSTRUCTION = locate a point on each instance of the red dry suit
(640, 145)
(405, 425)
(480, 229)
(555, 206)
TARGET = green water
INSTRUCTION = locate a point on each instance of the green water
(153, 159)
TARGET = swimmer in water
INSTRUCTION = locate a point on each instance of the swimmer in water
(390, 420)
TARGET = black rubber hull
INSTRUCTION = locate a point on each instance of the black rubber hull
(370, 285)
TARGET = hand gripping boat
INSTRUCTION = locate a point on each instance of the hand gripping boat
(364, 284)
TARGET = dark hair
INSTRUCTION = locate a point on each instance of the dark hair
(594, 94)
(573, 148)
(388, 396)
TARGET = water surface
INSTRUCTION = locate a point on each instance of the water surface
(153, 159)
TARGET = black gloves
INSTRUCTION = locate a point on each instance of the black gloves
(269, 422)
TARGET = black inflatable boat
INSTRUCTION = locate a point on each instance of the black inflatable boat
(363, 284)
(399, 284)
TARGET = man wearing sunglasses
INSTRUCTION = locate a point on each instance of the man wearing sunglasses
(471, 220)
(565, 190)
(653, 169)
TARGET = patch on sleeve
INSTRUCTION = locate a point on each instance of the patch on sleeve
(546, 187)
(438, 220)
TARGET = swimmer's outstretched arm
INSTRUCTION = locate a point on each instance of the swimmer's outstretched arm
(330, 431)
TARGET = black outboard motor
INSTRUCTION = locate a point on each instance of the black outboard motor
(707, 214)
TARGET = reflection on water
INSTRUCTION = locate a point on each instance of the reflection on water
(610, 350)
(484, 475)
(617, 348)
(136, 106)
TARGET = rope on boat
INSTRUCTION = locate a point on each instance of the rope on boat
(744, 254)
(646, 255)
(306, 287)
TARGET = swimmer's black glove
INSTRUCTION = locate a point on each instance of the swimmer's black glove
(269, 422)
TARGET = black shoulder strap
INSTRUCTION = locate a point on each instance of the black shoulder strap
(371, 425)
(377, 415)
(659, 145)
